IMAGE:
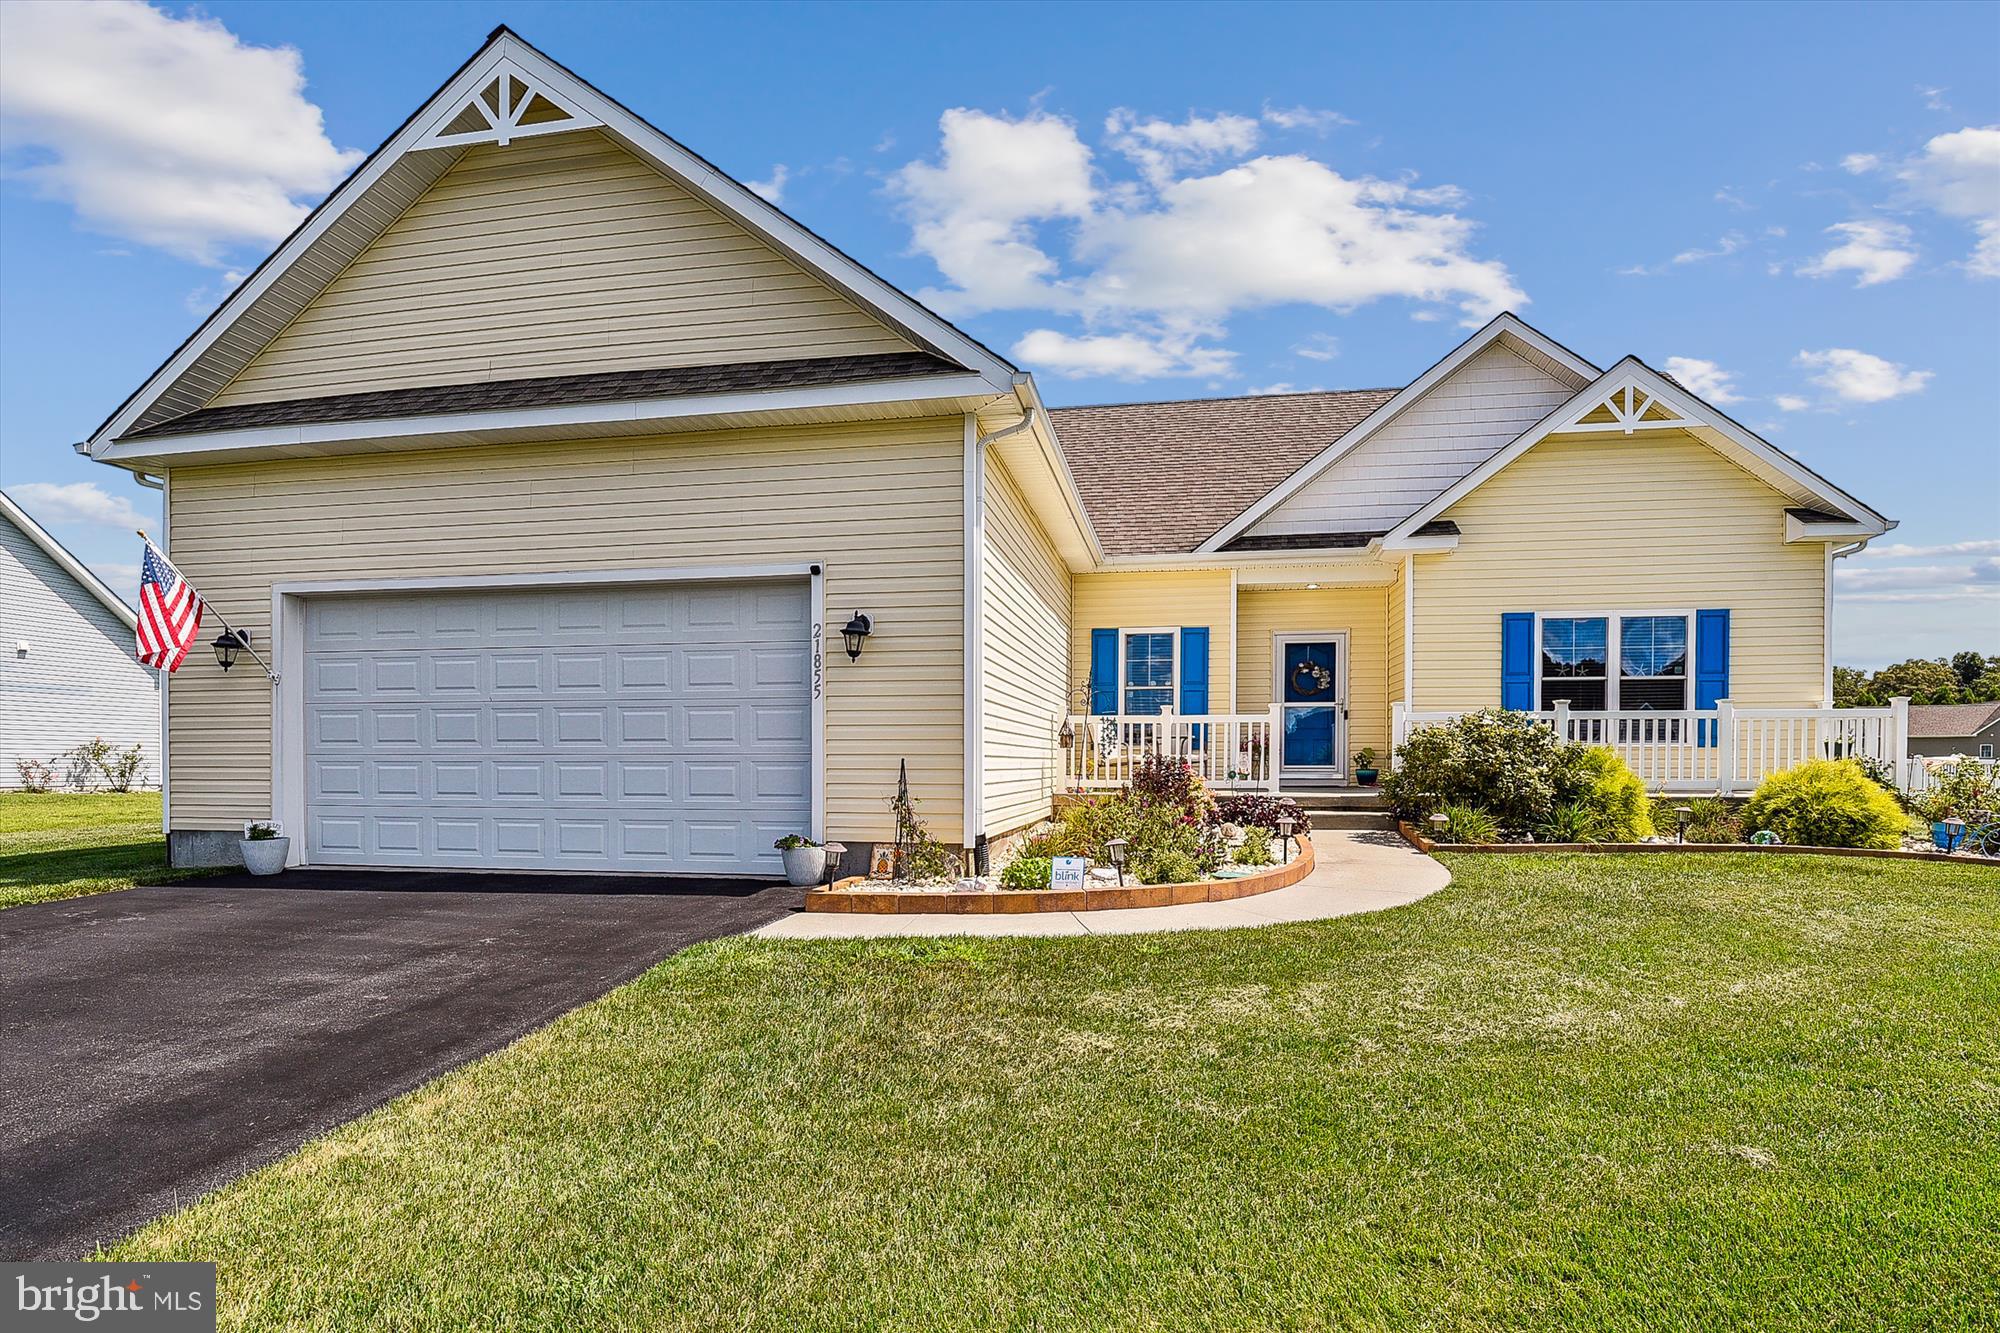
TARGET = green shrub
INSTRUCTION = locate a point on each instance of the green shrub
(1167, 867)
(1256, 848)
(1505, 763)
(1826, 803)
(1469, 823)
(1027, 872)
(1260, 808)
(1566, 823)
(1713, 820)
(1085, 828)
(1612, 797)
(1161, 780)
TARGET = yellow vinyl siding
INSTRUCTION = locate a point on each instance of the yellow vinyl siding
(1177, 599)
(880, 505)
(553, 256)
(1640, 523)
(1362, 612)
(1027, 601)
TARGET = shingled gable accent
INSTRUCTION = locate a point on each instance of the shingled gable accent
(400, 171)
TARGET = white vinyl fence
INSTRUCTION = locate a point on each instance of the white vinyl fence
(1725, 749)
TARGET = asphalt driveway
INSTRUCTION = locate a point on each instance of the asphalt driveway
(158, 1042)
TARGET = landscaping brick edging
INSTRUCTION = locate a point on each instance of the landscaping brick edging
(1423, 844)
(840, 898)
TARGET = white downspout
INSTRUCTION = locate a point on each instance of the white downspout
(166, 538)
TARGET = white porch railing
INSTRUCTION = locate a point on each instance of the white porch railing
(1920, 772)
(1725, 749)
(1228, 750)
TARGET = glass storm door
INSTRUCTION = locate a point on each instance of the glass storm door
(1309, 690)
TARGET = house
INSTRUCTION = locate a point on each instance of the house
(550, 465)
(67, 670)
(1946, 729)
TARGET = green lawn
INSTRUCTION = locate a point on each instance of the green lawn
(59, 845)
(1589, 1092)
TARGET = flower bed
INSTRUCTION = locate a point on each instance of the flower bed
(859, 894)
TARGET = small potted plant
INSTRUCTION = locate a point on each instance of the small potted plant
(805, 860)
(264, 849)
(1364, 767)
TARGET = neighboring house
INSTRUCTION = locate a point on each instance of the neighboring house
(1939, 729)
(67, 670)
(549, 462)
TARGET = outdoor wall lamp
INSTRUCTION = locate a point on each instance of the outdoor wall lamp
(229, 643)
(856, 632)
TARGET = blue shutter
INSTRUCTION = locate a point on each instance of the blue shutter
(1711, 666)
(1194, 671)
(1517, 660)
(1104, 671)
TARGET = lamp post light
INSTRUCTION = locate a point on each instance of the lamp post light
(1954, 832)
(1114, 852)
(836, 852)
(1285, 826)
(1437, 823)
(855, 632)
(227, 645)
(1682, 814)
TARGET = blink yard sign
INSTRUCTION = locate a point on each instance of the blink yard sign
(1067, 873)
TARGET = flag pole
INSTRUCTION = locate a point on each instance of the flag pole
(241, 637)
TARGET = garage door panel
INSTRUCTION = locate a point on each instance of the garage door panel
(655, 728)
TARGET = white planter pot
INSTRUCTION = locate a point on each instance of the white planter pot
(265, 856)
(804, 865)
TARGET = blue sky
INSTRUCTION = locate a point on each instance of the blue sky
(1786, 205)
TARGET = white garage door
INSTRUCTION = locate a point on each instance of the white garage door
(662, 727)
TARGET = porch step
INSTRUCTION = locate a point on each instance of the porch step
(1352, 820)
(1339, 798)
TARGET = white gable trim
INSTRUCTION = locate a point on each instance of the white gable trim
(1689, 413)
(501, 119)
(69, 564)
(735, 201)
(1504, 325)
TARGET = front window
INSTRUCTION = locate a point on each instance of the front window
(1573, 661)
(1985, 752)
(1648, 674)
(1149, 672)
(1653, 663)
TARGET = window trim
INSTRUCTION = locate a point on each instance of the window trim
(1174, 686)
(1986, 750)
(1614, 651)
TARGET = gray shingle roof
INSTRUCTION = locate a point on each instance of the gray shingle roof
(1162, 477)
(1950, 719)
(559, 390)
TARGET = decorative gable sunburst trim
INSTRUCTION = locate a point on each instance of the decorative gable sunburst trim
(1534, 345)
(1689, 413)
(512, 105)
(382, 187)
(1627, 408)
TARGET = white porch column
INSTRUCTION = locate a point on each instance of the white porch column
(1725, 747)
(1274, 753)
(1899, 738)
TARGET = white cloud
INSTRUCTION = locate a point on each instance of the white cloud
(1282, 386)
(1979, 578)
(123, 578)
(77, 502)
(1164, 149)
(1725, 246)
(1958, 174)
(1319, 347)
(1878, 251)
(1860, 164)
(972, 210)
(1791, 402)
(167, 131)
(1126, 356)
(1858, 377)
(1705, 379)
(1933, 98)
(1019, 213)
(772, 189)
(1904, 551)
(1725, 195)
(1304, 118)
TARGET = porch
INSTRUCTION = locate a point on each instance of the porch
(1725, 750)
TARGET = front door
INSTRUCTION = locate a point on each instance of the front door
(1311, 689)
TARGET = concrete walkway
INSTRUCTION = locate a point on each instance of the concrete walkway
(1356, 872)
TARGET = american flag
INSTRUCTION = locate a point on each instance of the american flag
(169, 613)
